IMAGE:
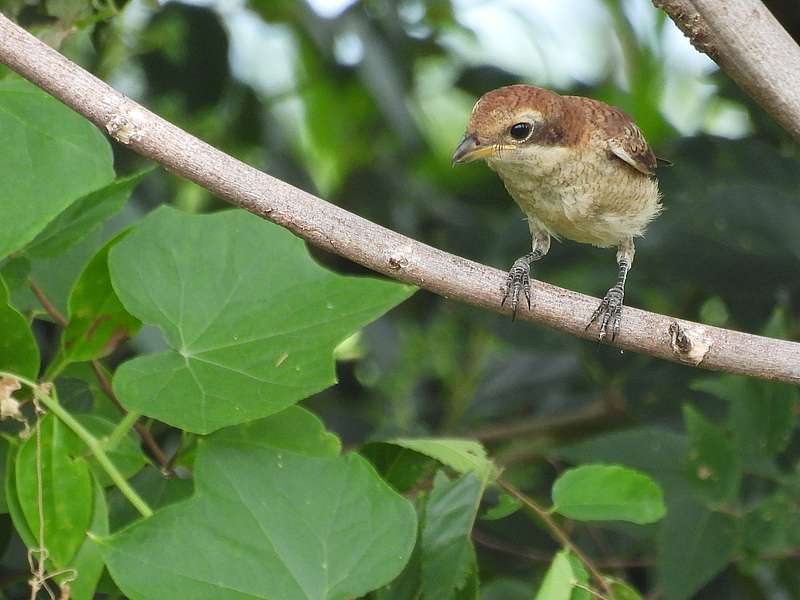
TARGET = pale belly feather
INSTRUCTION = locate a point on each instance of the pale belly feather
(599, 202)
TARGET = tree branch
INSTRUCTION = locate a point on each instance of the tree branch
(749, 44)
(375, 247)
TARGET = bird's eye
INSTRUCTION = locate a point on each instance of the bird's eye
(520, 131)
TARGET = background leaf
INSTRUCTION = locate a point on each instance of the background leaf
(50, 157)
(447, 552)
(127, 456)
(713, 464)
(462, 456)
(607, 493)
(97, 321)
(67, 485)
(83, 217)
(762, 415)
(88, 561)
(559, 581)
(695, 545)
(18, 350)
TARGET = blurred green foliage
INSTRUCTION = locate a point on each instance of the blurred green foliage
(363, 105)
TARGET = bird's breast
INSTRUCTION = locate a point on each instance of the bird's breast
(599, 201)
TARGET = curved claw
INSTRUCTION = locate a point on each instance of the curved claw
(611, 310)
(518, 280)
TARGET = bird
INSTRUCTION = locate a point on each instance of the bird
(578, 168)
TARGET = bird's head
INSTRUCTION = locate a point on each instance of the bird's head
(512, 124)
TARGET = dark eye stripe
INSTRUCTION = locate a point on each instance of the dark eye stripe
(520, 131)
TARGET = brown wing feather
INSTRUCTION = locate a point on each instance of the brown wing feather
(625, 140)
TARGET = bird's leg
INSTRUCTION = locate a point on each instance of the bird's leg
(611, 306)
(519, 276)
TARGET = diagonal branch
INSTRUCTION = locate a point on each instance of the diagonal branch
(749, 44)
(375, 247)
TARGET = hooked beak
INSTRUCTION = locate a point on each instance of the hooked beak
(469, 149)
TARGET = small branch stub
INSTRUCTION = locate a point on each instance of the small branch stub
(689, 342)
(125, 126)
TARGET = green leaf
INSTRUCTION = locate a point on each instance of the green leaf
(407, 585)
(83, 217)
(67, 485)
(772, 526)
(298, 526)
(471, 589)
(79, 391)
(55, 276)
(507, 589)
(695, 544)
(97, 320)
(622, 591)
(506, 505)
(293, 429)
(399, 467)
(763, 424)
(88, 562)
(560, 579)
(581, 577)
(462, 456)
(713, 464)
(50, 157)
(154, 487)
(19, 353)
(447, 552)
(12, 497)
(714, 312)
(608, 493)
(5, 451)
(251, 320)
(762, 414)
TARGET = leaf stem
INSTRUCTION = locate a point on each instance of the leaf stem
(121, 430)
(558, 534)
(94, 445)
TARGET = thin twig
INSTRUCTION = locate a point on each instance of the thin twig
(591, 413)
(375, 247)
(558, 533)
(48, 306)
(493, 543)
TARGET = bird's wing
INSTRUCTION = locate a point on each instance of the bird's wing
(640, 159)
(624, 139)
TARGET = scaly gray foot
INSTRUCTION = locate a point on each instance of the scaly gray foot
(518, 280)
(610, 310)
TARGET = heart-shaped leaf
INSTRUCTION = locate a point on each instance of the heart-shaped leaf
(251, 319)
(255, 529)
